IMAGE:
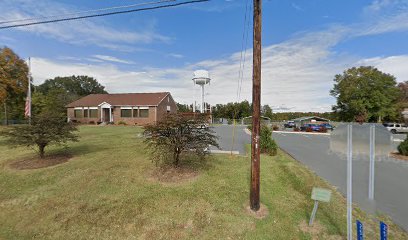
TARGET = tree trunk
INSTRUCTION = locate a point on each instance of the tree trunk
(5, 113)
(42, 152)
(176, 157)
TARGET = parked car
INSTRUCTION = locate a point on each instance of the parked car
(290, 124)
(328, 126)
(396, 127)
(314, 127)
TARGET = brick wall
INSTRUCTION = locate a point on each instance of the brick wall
(162, 108)
(134, 120)
(71, 116)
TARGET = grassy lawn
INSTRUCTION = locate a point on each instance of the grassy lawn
(106, 192)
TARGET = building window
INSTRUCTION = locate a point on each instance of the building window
(78, 113)
(93, 113)
(126, 113)
(85, 113)
(135, 113)
(144, 113)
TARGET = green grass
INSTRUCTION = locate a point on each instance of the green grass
(105, 192)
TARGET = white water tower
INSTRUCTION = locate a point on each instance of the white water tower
(201, 77)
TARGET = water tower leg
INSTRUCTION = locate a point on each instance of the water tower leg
(202, 99)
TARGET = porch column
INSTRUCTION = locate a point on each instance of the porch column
(110, 115)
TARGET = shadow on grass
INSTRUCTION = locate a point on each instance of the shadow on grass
(188, 169)
(77, 149)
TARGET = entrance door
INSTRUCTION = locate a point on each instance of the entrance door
(106, 114)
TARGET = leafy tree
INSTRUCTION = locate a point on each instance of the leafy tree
(60, 91)
(13, 83)
(403, 86)
(53, 101)
(45, 129)
(267, 111)
(183, 107)
(365, 94)
(78, 86)
(176, 134)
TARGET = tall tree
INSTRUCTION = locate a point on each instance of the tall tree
(267, 111)
(403, 86)
(183, 107)
(75, 85)
(365, 94)
(58, 92)
(13, 83)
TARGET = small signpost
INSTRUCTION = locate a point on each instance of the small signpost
(360, 230)
(383, 231)
(319, 194)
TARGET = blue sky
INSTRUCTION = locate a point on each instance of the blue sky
(305, 43)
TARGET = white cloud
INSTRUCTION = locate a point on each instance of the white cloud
(112, 59)
(297, 7)
(175, 55)
(395, 65)
(297, 73)
(378, 5)
(81, 32)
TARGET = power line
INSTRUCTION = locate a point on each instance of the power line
(241, 66)
(103, 14)
(87, 11)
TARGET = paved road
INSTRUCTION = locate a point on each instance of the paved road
(391, 183)
(224, 132)
(391, 179)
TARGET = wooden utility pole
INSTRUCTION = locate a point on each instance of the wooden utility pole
(256, 102)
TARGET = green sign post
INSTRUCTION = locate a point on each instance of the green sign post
(319, 194)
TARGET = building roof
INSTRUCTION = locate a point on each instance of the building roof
(310, 118)
(120, 99)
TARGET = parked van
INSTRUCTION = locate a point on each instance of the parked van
(396, 127)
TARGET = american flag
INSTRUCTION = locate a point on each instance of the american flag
(27, 111)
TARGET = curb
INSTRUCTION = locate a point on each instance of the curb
(304, 133)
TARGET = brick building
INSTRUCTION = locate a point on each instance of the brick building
(131, 108)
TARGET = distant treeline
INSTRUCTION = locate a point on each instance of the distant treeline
(244, 109)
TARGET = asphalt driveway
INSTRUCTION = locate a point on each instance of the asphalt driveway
(391, 176)
(224, 132)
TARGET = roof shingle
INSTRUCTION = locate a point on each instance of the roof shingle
(120, 99)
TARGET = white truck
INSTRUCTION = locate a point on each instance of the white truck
(396, 127)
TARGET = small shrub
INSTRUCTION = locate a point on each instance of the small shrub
(296, 129)
(403, 148)
(309, 129)
(323, 130)
(249, 127)
(176, 136)
(45, 129)
(122, 123)
(268, 145)
(229, 121)
(275, 128)
(91, 122)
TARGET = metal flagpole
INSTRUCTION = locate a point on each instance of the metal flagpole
(29, 91)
